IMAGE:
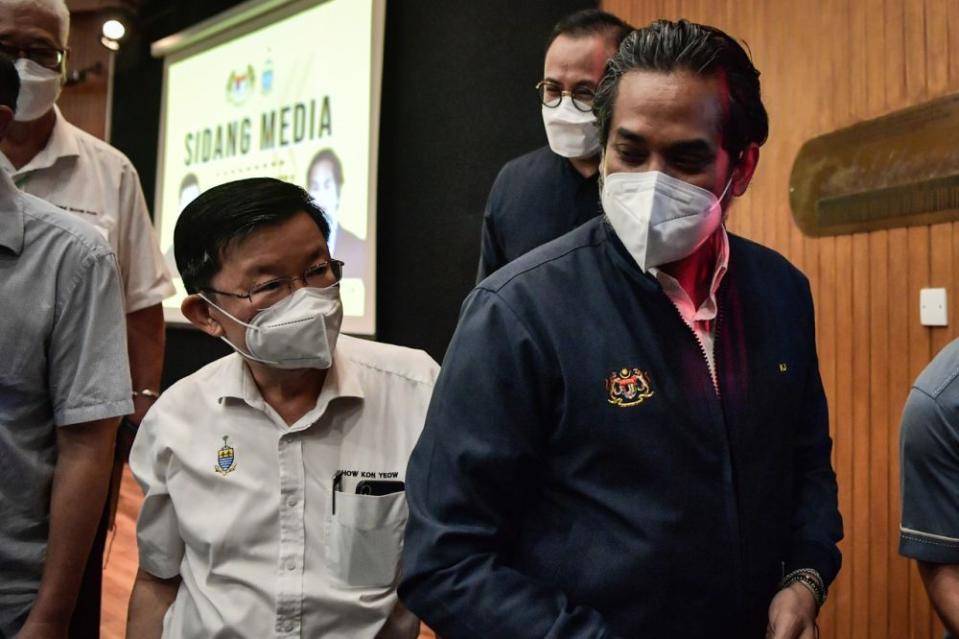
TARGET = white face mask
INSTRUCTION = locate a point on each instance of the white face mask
(571, 132)
(660, 219)
(39, 89)
(297, 332)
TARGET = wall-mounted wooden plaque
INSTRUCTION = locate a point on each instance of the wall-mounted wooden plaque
(900, 169)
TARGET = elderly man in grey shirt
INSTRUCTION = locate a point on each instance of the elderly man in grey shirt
(64, 383)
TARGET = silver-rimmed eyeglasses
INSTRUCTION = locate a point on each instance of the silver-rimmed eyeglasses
(265, 294)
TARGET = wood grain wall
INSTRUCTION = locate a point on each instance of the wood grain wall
(85, 104)
(826, 64)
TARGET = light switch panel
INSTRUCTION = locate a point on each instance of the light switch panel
(933, 310)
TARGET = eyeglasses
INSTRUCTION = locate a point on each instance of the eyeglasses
(48, 57)
(264, 295)
(551, 94)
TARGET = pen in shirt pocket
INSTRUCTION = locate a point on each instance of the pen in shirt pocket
(337, 485)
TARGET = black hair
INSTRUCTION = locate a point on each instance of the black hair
(667, 46)
(327, 155)
(9, 82)
(590, 22)
(231, 212)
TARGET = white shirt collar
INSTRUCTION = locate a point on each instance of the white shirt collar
(238, 383)
(708, 309)
(62, 144)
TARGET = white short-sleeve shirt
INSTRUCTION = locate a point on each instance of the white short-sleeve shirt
(89, 178)
(241, 506)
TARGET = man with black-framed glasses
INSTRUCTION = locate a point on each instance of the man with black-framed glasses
(544, 194)
(274, 477)
(50, 158)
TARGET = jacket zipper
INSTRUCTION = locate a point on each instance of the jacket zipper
(710, 371)
(714, 376)
(729, 443)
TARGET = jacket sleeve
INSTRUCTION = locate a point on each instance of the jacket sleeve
(491, 253)
(478, 460)
(816, 523)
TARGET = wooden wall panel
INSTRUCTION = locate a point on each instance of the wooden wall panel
(826, 65)
(85, 104)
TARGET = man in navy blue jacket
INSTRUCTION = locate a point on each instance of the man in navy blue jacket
(629, 436)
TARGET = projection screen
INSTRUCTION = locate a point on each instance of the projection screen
(287, 89)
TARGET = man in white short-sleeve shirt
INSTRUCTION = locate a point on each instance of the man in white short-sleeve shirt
(274, 477)
(54, 160)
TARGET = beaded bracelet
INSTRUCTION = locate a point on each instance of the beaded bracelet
(811, 580)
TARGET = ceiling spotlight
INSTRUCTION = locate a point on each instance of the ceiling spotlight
(112, 32)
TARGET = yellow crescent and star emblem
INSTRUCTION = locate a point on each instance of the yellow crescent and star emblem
(225, 458)
(628, 387)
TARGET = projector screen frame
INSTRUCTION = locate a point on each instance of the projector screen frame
(237, 22)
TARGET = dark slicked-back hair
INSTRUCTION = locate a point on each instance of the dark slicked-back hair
(9, 82)
(686, 46)
(590, 22)
(228, 213)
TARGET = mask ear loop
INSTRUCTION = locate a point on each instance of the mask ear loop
(725, 192)
(602, 168)
(729, 184)
(231, 344)
(224, 311)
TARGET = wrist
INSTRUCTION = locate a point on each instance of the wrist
(808, 580)
(147, 394)
(143, 400)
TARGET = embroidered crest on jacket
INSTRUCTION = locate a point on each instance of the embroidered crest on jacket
(628, 387)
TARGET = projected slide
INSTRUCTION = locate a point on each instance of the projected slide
(296, 99)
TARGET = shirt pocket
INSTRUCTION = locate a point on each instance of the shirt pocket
(366, 538)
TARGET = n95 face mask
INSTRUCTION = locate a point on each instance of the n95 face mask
(658, 218)
(39, 89)
(571, 132)
(297, 332)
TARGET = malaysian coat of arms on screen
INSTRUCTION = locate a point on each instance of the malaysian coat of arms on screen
(628, 387)
(225, 458)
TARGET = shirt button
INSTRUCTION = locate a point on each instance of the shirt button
(291, 565)
(291, 501)
(289, 627)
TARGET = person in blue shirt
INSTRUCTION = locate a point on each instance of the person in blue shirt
(541, 195)
(929, 474)
(629, 435)
(64, 385)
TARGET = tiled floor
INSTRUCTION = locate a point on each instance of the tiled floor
(120, 563)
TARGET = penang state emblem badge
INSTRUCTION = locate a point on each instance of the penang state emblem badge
(628, 387)
(225, 458)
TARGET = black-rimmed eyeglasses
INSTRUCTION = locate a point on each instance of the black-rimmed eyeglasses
(551, 94)
(49, 57)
